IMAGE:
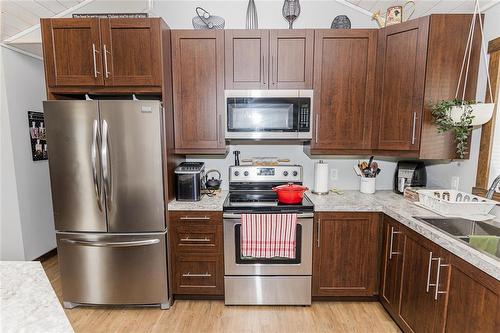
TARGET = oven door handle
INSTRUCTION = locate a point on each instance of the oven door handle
(237, 216)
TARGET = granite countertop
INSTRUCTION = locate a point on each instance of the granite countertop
(207, 203)
(28, 302)
(387, 202)
(395, 206)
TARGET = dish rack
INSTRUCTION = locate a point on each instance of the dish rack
(455, 203)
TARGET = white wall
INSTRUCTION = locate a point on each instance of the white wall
(440, 174)
(11, 240)
(314, 14)
(23, 83)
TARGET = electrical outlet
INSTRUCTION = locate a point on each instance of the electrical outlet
(455, 180)
(334, 174)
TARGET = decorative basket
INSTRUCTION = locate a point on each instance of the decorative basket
(455, 203)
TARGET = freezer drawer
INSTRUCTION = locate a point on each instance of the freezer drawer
(113, 269)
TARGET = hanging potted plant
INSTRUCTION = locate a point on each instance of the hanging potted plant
(445, 121)
(460, 115)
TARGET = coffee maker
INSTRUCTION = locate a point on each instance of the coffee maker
(409, 173)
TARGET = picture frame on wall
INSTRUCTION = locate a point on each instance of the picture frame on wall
(38, 136)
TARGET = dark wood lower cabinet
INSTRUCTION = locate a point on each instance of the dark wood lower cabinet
(473, 304)
(427, 289)
(392, 263)
(423, 284)
(196, 241)
(346, 254)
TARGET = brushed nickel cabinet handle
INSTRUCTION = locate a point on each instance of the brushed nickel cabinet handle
(319, 233)
(195, 217)
(189, 274)
(429, 273)
(316, 126)
(273, 81)
(414, 128)
(391, 252)
(438, 274)
(187, 239)
(106, 72)
(94, 51)
(221, 129)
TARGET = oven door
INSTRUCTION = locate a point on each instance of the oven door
(235, 264)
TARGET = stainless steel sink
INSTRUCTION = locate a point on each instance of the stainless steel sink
(462, 228)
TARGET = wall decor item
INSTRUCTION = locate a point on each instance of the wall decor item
(290, 11)
(203, 20)
(112, 15)
(38, 137)
(395, 14)
(458, 114)
(252, 20)
(341, 22)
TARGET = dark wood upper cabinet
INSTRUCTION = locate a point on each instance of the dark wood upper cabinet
(418, 63)
(198, 89)
(72, 52)
(402, 52)
(269, 59)
(291, 63)
(392, 264)
(131, 52)
(344, 74)
(346, 254)
(108, 55)
(247, 58)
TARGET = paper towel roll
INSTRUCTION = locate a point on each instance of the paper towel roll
(321, 178)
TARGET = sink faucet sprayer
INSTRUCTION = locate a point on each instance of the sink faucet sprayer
(493, 187)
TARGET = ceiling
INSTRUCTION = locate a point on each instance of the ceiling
(18, 15)
(19, 24)
(426, 7)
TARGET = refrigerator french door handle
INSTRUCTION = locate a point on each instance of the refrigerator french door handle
(112, 244)
(93, 157)
(106, 170)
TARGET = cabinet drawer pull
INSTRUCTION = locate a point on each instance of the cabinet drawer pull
(438, 274)
(414, 128)
(263, 71)
(429, 284)
(316, 126)
(195, 218)
(187, 239)
(189, 274)
(391, 252)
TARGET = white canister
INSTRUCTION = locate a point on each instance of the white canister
(367, 185)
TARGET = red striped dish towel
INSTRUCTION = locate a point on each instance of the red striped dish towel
(268, 235)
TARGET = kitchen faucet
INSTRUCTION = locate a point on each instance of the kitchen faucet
(491, 190)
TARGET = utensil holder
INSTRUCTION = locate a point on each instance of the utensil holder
(367, 185)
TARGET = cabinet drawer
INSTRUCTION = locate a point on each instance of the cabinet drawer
(198, 217)
(197, 238)
(199, 274)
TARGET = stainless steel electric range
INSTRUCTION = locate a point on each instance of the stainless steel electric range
(279, 281)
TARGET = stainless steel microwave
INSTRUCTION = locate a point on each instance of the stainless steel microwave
(268, 114)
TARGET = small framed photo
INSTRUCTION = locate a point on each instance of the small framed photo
(394, 15)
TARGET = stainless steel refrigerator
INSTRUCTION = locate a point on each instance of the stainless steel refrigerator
(106, 173)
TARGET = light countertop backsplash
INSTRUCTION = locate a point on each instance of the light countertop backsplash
(346, 178)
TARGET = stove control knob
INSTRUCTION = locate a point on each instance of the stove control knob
(236, 173)
(285, 173)
(245, 173)
(295, 173)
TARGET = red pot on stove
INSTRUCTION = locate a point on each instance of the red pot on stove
(290, 193)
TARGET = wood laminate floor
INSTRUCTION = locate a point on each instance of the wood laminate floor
(213, 316)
